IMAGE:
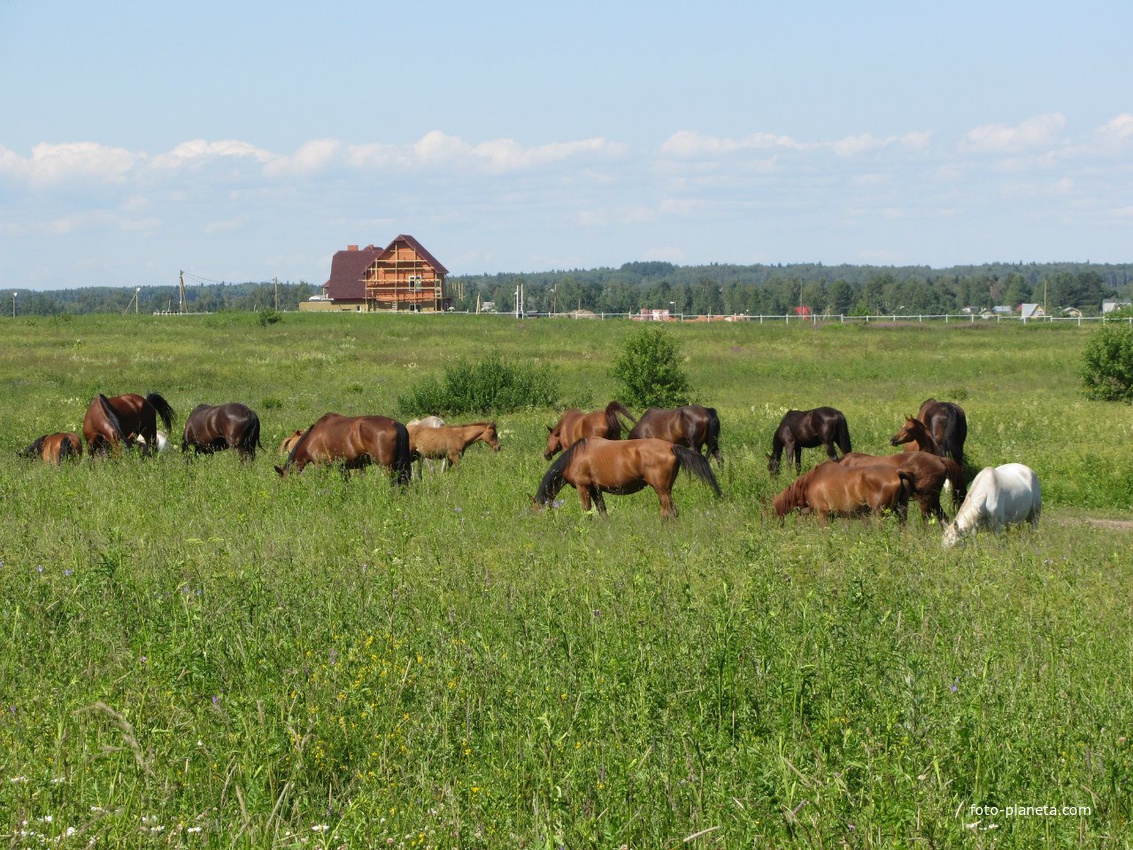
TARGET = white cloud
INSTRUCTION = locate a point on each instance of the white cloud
(69, 161)
(201, 152)
(1041, 131)
(1118, 129)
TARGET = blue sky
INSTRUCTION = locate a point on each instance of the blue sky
(246, 141)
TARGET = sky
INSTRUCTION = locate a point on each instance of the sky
(247, 141)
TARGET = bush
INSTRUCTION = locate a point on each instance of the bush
(269, 317)
(650, 371)
(1107, 363)
(490, 386)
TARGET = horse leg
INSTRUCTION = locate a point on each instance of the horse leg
(668, 509)
(599, 500)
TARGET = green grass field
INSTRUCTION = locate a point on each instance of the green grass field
(199, 654)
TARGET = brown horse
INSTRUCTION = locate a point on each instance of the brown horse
(807, 429)
(448, 442)
(595, 465)
(930, 471)
(212, 428)
(357, 441)
(914, 436)
(573, 425)
(289, 442)
(112, 422)
(947, 424)
(831, 489)
(55, 448)
(692, 425)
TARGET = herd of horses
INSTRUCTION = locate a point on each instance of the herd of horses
(595, 460)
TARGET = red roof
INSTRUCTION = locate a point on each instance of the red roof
(348, 268)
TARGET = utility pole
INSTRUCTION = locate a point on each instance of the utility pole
(277, 294)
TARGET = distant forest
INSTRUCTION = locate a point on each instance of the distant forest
(771, 290)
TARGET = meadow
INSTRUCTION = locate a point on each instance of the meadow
(199, 654)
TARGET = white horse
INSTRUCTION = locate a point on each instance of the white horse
(999, 496)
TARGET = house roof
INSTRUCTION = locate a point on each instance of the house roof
(348, 267)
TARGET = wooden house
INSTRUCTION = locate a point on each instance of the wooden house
(401, 276)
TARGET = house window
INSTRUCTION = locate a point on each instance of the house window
(415, 281)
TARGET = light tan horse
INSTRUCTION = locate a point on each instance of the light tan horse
(448, 442)
(288, 444)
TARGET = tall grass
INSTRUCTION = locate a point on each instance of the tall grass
(198, 654)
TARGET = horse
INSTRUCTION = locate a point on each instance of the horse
(213, 428)
(692, 426)
(831, 489)
(426, 422)
(595, 465)
(448, 442)
(573, 425)
(999, 497)
(914, 436)
(112, 422)
(807, 429)
(930, 471)
(357, 441)
(289, 442)
(55, 448)
(947, 424)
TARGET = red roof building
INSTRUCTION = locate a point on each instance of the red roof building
(401, 276)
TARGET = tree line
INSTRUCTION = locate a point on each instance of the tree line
(771, 290)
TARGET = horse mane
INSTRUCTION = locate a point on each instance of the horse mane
(163, 408)
(795, 493)
(112, 418)
(34, 449)
(552, 481)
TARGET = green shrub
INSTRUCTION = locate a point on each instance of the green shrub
(650, 371)
(490, 386)
(1107, 363)
(269, 317)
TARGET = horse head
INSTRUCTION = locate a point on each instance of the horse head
(910, 431)
(554, 443)
(773, 463)
(491, 436)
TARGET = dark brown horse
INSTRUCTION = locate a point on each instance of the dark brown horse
(213, 428)
(931, 473)
(121, 420)
(692, 425)
(948, 425)
(831, 489)
(448, 442)
(806, 429)
(357, 441)
(55, 448)
(594, 466)
(573, 425)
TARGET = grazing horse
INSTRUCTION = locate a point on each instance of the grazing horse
(831, 489)
(807, 429)
(595, 465)
(914, 436)
(289, 442)
(213, 428)
(947, 424)
(999, 496)
(55, 448)
(573, 425)
(357, 441)
(930, 471)
(111, 422)
(692, 425)
(448, 442)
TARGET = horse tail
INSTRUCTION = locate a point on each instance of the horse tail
(35, 449)
(250, 441)
(402, 462)
(908, 485)
(112, 419)
(696, 464)
(66, 449)
(712, 438)
(844, 436)
(553, 480)
(163, 409)
(613, 425)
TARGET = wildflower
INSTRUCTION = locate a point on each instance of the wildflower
(320, 827)
(68, 572)
(954, 687)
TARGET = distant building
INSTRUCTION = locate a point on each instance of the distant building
(401, 276)
(1110, 306)
(1030, 311)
